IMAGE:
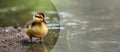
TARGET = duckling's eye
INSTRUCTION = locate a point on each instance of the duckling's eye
(38, 16)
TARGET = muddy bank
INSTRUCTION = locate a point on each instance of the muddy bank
(14, 39)
(11, 39)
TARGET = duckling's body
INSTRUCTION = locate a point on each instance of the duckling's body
(37, 28)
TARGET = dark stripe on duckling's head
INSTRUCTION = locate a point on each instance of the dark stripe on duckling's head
(40, 13)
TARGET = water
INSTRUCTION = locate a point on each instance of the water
(89, 26)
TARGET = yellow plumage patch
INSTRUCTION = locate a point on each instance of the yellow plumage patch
(37, 31)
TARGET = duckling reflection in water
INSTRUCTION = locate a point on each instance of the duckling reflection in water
(37, 28)
(38, 48)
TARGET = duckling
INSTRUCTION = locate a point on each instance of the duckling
(37, 28)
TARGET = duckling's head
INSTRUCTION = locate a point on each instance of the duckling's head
(38, 17)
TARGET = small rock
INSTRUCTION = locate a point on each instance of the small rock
(5, 46)
(4, 40)
(6, 30)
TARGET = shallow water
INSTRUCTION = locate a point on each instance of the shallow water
(89, 26)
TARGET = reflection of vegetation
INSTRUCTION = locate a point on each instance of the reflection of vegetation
(51, 38)
(17, 11)
(67, 39)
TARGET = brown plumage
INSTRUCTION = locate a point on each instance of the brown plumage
(37, 28)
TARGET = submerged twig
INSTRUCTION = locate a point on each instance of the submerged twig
(68, 42)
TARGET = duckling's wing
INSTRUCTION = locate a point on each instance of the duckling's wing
(32, 23)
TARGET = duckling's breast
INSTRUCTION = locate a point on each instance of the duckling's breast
(39, 30)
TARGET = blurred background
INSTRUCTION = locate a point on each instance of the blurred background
(19, 12)
(85, 25)
(89, 25)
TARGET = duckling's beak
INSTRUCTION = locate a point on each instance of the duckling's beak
(44, 21)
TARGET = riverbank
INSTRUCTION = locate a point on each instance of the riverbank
(11, 39)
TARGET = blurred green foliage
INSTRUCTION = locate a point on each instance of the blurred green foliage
(20, 11)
